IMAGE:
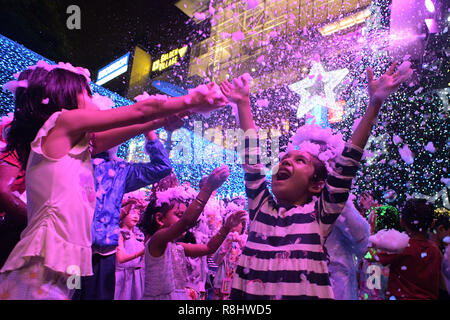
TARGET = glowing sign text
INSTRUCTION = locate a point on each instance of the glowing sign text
(168, 59)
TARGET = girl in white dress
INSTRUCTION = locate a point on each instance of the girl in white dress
(52, 133)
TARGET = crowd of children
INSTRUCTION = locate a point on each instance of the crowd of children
(299, 238)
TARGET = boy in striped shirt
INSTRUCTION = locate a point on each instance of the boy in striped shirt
(284, 257)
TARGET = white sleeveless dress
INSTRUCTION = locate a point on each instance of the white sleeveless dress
(57, 240)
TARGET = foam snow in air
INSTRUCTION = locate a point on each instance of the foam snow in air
(406, 154)
(142, 96)
(13, 85)
(103, 102)
(260, 59)
(252, 4)
(404, 68)
(430, 147)
(199, 16)
(396, 139)
(390, 240)
(238, 36)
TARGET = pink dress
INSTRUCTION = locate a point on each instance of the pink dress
(57, 240)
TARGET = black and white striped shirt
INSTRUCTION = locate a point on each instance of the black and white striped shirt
(284, 257)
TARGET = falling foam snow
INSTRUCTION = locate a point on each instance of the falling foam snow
(251, 4)
(406, 154)
(430, 147)
(199, 16)
(238, 36)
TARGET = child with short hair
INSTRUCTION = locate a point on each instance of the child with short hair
(166, 219)
(284, 256)
(414, 273)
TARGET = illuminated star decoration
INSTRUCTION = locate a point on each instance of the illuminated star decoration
(320, 96)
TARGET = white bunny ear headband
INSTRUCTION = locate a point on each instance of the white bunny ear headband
(312, 138)
(182, 193)
(14, 84)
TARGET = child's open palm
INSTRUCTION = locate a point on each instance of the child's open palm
(388, 83)
(239, 90)
(217, 177)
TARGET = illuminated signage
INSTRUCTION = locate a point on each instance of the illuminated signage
(113, 69)
(169, 59)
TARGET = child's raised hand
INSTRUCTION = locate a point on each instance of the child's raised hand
(205, 98)
(239, 90)
(217, 177)
(235, 219)
(389, 82)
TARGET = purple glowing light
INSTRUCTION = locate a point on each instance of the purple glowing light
(429, 5)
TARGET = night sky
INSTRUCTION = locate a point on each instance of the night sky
(109, 29)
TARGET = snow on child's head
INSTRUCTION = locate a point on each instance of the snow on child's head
(166, 208)
(40, 91)
(133, 205)
(304, 167)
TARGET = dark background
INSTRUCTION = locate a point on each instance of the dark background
(109, 29)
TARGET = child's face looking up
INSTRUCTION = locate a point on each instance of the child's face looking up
(292, 182)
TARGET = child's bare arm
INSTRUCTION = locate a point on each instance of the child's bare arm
(123, 256)
(107, 139)
(199, 250)
(158, 242)
(379, 90)
(87, 119)
(239, 93)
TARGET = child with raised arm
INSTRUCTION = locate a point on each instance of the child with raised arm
(284, 256)
(54, 118)
(166, 223)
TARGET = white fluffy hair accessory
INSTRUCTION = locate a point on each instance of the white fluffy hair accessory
(181, 193)
(14, 84)
(313, 138)
(138, 195)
